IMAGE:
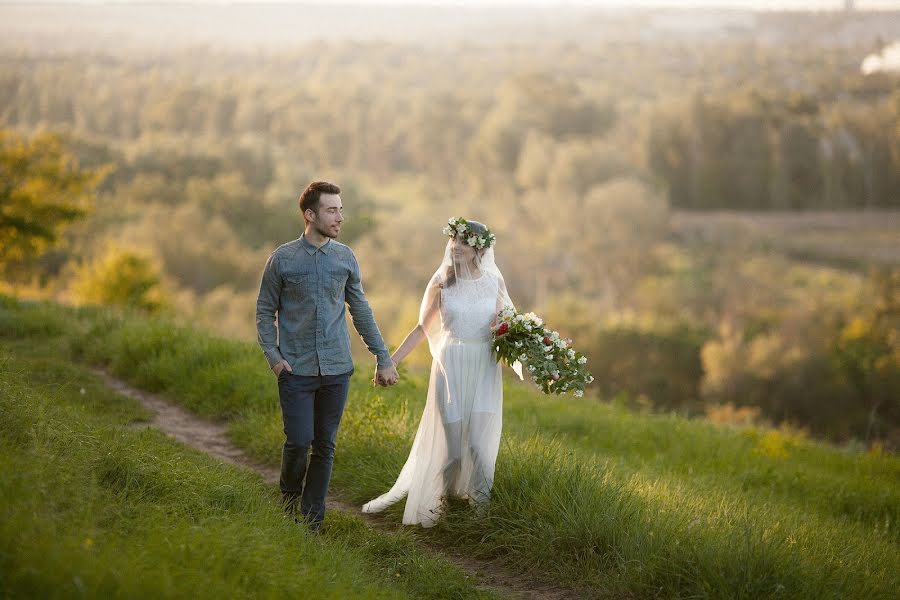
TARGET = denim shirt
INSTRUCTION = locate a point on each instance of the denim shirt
(309, 289)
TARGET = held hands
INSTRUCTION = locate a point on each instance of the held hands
(386, 377)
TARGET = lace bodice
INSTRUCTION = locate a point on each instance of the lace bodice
(467, 315)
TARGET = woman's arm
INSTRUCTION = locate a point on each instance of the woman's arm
(415, 337)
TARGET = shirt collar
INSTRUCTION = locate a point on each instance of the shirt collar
(310, 248)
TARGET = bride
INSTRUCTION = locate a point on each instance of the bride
(456, 444)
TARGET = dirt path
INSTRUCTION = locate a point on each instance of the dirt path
(212, 439)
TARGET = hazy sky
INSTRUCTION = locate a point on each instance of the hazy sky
(747, 4)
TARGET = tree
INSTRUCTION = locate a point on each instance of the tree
(42, 190)
(123, 278)
(867, 351)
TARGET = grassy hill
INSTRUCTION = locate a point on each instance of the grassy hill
(588, 496)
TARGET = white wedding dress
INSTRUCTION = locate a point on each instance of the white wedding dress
(455, 447)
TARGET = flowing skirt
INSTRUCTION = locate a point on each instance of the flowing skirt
(456, 444)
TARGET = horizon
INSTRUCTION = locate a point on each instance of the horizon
(751, 5)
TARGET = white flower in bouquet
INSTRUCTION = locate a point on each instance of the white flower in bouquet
(549, 357)
(578, 393)
(582, 360)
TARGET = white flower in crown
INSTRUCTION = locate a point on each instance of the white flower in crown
(459, 227)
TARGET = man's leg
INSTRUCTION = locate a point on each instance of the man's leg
(297, 396)
(329, 407)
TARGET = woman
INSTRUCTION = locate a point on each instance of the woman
(456, 444)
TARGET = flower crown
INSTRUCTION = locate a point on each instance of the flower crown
(459, 227)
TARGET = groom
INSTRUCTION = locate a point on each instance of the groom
(306, 283)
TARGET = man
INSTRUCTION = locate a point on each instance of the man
(306, 283)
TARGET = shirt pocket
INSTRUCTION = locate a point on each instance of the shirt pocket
(337, 281)
(296, 285)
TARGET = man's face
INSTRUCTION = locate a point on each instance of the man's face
(328, 218)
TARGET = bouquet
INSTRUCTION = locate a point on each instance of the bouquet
(551, 361)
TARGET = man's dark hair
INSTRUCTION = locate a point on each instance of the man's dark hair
(309, 199)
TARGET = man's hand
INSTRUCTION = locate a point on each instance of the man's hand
(386, 377)
(279, 367)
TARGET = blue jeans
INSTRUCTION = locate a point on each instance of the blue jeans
(311, 408)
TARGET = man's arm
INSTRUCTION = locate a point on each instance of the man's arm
(266, 306)
(363, 319)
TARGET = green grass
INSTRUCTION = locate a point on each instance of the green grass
(588, 496)
(92, 507)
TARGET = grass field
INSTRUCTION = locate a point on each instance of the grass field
(588, 496)
(92, 507)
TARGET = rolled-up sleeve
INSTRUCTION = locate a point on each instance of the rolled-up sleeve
(267, 303)
(363, 319)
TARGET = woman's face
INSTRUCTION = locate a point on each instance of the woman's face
(462, 251)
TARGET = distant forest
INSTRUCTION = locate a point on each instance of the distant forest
(741, 112)
(586, 139)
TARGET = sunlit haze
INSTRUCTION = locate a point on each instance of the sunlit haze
(742, 4)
